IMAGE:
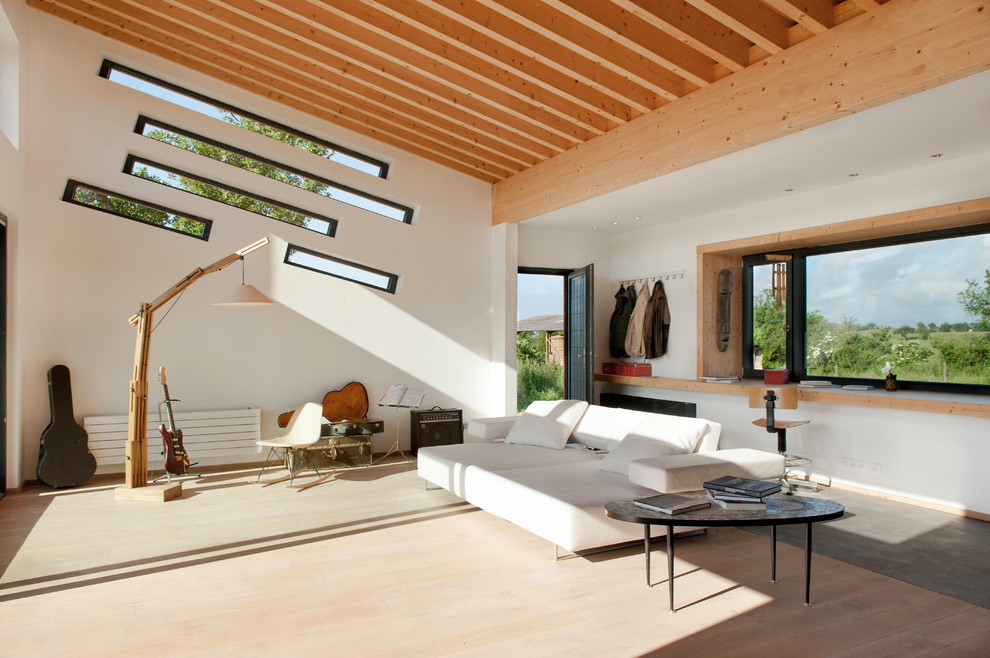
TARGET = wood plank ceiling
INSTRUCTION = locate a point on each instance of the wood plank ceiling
(486, 87)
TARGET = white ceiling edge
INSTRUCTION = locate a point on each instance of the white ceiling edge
(952, 120)
(951, 181)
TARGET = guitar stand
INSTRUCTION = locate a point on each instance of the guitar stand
(187, 474)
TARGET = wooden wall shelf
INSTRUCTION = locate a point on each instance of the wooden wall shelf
(939, 403)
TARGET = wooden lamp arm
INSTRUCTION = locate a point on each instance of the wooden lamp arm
(136, 447)
(197, 274)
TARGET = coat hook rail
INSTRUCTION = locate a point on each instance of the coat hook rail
(665, 276)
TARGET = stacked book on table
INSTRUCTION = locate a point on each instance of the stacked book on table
(740, 493)
(671, 503)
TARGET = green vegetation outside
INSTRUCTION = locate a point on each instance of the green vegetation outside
(536, 379)
(957, 353)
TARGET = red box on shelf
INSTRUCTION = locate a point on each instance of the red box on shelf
(610, 367)
(775, 377)
(639, 369)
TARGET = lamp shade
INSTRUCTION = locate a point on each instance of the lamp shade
(243, 295)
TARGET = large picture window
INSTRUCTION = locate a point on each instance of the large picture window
(920, 303)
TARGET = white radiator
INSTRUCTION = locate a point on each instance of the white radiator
(210, 437)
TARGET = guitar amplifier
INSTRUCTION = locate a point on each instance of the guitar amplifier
(436, 427)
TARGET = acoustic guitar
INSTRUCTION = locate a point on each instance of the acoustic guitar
(64, 459)
(176, 458)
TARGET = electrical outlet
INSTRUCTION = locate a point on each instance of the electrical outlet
(875, 468)
(848, 462)
(861, 466)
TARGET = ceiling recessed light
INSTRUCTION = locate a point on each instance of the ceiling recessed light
(614, 223)
(594, 228)
(853, 175)
(789, 189)
(935, 155)
(637, 217)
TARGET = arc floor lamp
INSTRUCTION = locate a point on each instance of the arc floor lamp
(136, 486)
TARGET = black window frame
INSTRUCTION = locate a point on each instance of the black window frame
(797, 308)
(109, 66)
(69, 196)
(392, 278)
(407, 212)
(132, 160)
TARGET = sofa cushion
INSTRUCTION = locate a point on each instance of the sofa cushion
(689, 472)
(448, 466)
(604, 427)
(676, 431)
(546, 423)
(633, 448)
(564, 504)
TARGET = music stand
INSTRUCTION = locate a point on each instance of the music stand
(400, 396)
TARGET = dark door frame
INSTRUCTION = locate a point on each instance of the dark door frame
(563, 273)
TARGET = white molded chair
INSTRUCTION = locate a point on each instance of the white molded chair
(302, 431)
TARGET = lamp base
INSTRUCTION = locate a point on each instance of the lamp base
(154, 492)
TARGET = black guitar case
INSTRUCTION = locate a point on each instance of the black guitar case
(64, 459)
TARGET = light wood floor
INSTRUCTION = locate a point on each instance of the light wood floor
(373, 564)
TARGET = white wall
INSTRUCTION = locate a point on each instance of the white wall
(85, 272)
(938, 458)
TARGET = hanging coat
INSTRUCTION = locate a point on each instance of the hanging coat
(617, 338)
(656, 326)
(634, 336)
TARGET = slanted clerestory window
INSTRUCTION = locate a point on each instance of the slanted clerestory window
(340, 268)
(227, 194)
(211, 107)
(215, 150)
(128, 207)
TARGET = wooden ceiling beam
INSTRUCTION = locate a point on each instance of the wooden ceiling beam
(119, 28)
(693, 27)
(554, 26)
(750, 18)
(289, 36)
(427, 25)
(641, 37)
(409, 119)
(538, 85)
(529, 46)
(371, 49)
(886, 54)
(816, 15)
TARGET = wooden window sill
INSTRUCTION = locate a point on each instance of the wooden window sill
(939, 403)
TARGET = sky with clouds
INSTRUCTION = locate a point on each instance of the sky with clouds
(539, 294)
(896, 285)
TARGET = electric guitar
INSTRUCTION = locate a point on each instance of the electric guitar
(176, 458)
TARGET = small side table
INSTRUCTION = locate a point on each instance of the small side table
(781, 510)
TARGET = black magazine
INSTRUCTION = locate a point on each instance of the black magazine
(743, 486)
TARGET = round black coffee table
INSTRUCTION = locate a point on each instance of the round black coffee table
(781, 509)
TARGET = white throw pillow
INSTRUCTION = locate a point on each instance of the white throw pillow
(547, 423)
(633, 448)
(677, 431)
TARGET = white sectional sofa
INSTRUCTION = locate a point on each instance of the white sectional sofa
(551, 469)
